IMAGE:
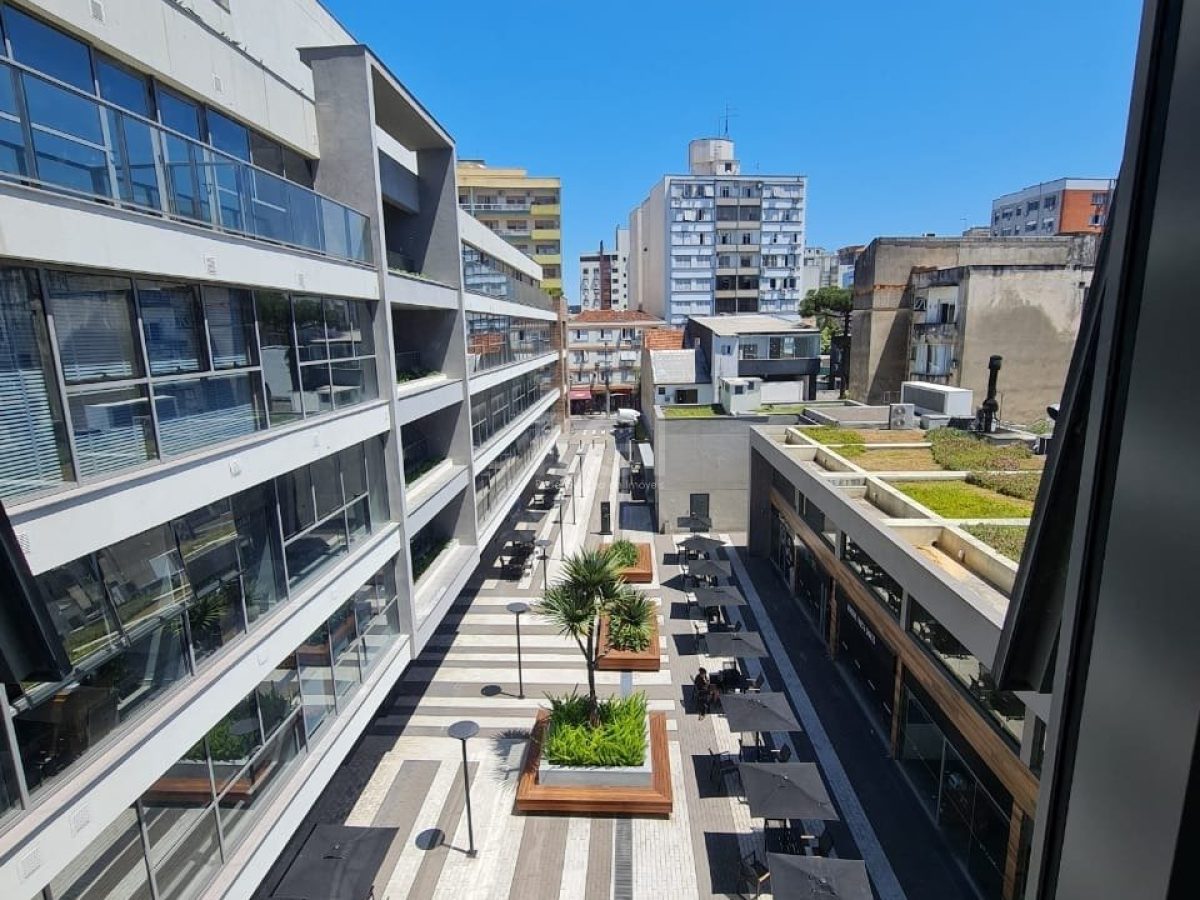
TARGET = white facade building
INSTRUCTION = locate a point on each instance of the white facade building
(604, 275)
(716, 241)
(266, 392)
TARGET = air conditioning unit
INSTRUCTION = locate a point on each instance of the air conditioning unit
(929, 421)
(901, 416)
(939, 399)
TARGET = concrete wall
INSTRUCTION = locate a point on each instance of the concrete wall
(703, 456)
(648, 233)
(882, 317)
(1031, 318)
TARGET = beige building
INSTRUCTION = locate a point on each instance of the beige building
(881, 325)
(523, 209)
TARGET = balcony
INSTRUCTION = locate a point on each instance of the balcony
(936, 331)
(520, 207)
(410, 366)
(546, 209)
(479, 278)
(77, 144)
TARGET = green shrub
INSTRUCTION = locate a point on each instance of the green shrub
(619, 739)
(629, 620)
(959, 500)
(961, 451)
(1008, 540)
(1022, 485)
(830, 435)
(623, 554)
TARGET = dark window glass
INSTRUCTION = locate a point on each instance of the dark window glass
(886, 588)
(145, 578)
(188, 862)
(327, 485)
(341, 333)
(316, 679)
(266, 153)
(315, 380)
(354, 471)
(255, 786)
(123, 87)
(68, 141)
(48, 50)
(174, 327)
(297, 168)
(227, 135)
(93, 324)
(279, 695)
(280, 371)
(208, 540)
(179, 114)
(233, 741)
(343, 638)
(230, 316)
(113, 429)
(309, 553)
(74, 596)
(310, 329)
(296, 504)
(259, 549)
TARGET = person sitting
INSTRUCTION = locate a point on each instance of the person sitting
(703, 687)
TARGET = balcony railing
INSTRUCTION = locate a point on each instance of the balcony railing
(62, 139)
(936, 330)
(482, 279)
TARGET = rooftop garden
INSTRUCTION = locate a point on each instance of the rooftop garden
(961, 451)
(959, 500)
(833, 435)
(704, 411)
(774, 409)
(1008, 540)
(897, 459)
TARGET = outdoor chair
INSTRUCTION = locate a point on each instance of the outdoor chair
(720, 765)
(756, 686)
(817, 844)
(754, 873)
(780, 754)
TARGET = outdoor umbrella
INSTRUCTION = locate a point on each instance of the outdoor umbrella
(706, 568)
(757, 713)
(736, 644)
(792, 790)
(818, 878)
(722, 596)
(337, 862)
(699, 544)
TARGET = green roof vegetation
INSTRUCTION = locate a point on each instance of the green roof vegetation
(898, 459)
(833, 435)
(959, 500)
(962, 451)
(1022, 485)
(776, 409)
(1008, 540)
(693, 412)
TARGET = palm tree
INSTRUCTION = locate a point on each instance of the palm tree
(591, 584)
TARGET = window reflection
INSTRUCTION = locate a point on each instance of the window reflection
(883, 585)
(174, 327)
(316, 679)
(112, 866)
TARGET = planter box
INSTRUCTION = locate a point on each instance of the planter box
(642, 571)
(654, 799)
(598, 776)
(648, 660)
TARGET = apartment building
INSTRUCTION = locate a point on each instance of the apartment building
(910, 601)
(604, 275)
(255, 424)
(1065, 206)
(524, 209)
(716, 241)
(881, 325)
(604, 355)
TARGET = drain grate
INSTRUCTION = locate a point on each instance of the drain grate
(623, 859)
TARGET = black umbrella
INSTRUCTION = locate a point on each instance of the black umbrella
(758, 713)
(337, 862)
(722, 596)
(699, 544)
(706, 568)
(818, 878)
(737, 644)
(792, 790)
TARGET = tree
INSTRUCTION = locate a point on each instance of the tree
(832, 307)
(590, 587)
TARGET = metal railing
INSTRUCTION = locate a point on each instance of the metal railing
(57, 137)
(936, 330)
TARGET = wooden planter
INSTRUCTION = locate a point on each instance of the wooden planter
(642, 571)
(648, 660)
(655, 800)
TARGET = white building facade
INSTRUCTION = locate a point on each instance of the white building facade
(604, 275)
(266, 392)
(716, 241)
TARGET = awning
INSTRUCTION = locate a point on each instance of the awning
(581, 394)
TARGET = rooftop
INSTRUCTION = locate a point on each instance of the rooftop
(614, 316)
(731, 326)
(663, 339)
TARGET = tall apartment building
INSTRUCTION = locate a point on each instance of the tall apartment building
(266, 391)
(716, 241)
(1065, 206)
(603, 358)
(604, 275)
(821, 269)
(525, 210)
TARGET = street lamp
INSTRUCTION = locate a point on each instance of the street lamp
(463, 731)
(518, 609)
(542, 544)
(580, 454)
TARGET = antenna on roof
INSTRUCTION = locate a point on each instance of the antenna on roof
(723, 121)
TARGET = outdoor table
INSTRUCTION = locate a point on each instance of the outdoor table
(736, 644)
(707, 568)
(723, 596)
(757, 713)
(783, 791)
(818, 878)
(698, 543)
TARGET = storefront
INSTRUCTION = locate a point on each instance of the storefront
(783, 549)
(871, 660)
(812, 587)
(970, 806)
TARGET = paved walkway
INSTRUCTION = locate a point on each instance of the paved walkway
(406, 774)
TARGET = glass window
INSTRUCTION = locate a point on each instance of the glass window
(34, 454)
(112, 429)
(230, 316)
(352, 381)
(377, 479)
(233, 741)
(266, 153)
(279, 695)
(312, 551)
(123, 87)
(354, 471)
(315, 379)
(94, 326)
(75, 598)
(310, 329)
(316, 679)
(174, 327)
(113, 865)
(343, 638)
(885, 587)
(208, 541)
(280, 370)
(68, 140)
(358, 520)
(48, 50)
(186, 865)
(259, 549)
(244, 799)
(200, 412)
(145, 577)
(297, 506)
(178, 113)
(227, 135)
(327, 484)
(378, 614)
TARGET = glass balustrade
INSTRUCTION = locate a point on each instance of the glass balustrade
(57, 137)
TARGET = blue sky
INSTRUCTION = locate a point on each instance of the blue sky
(907, 117)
